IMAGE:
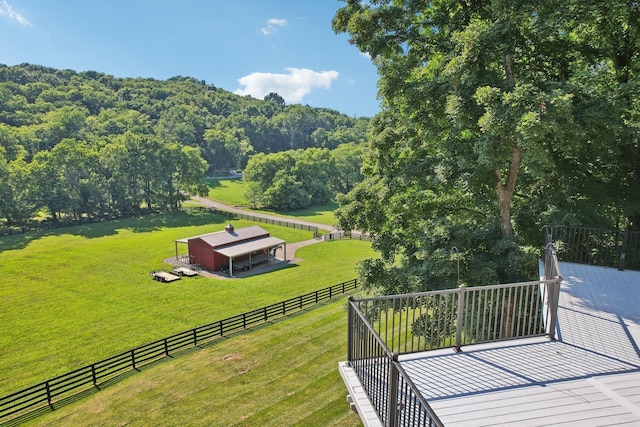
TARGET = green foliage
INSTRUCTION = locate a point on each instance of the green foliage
(298, 179)
(441, 313)
(497, 118)
(142, 141)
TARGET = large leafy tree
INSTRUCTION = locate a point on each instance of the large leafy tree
(482, 103)
(70, 179)
(298, 179)
(16, 186)
(181, 170)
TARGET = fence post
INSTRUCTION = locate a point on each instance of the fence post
(93, 374)
(354, 341)
(48, 391)
(623, 249)
(133, 359)
(460, 317)
(392, 408)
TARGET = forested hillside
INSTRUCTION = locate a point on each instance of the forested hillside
(85, 143)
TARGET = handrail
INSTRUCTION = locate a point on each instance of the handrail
(382, 327)
(415, 408)
(456, 290)
(368, 325)
(597, 246)
(396, 399)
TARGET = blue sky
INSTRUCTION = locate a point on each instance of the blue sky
(251, 47)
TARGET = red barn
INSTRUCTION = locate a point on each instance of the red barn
(232, 250)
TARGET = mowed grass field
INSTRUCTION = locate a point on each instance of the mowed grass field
(77, 295)
(232, 191)
(281, 374)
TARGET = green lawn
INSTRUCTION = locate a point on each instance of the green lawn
(228, 191)
(231, 192)
(283, 374)
(321, 214)
(74, 296)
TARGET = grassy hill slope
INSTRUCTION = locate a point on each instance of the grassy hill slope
(283, 374)
(79, 295)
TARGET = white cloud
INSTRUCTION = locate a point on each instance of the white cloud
(7, 10)
(273, 25)
(292, 86)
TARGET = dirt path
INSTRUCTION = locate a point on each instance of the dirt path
(211, 204)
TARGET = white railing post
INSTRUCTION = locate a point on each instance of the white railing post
(460, 317)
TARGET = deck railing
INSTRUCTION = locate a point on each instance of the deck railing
(382, 328)
(452, 318)
(596, 246)
(395, 398)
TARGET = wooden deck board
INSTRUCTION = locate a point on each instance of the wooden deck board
(589, 377)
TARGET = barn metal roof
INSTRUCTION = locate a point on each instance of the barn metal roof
(222, 238)
(249, 247)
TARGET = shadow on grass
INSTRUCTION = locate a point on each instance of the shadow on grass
(306, 212)
(312, 210)
(139, 224)
(212, 182)
(75, 397)
(266, 270)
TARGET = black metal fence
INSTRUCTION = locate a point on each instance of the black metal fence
(382, 328)
(340, 235)
(396, 399)
(72, 383)
(456, 317)
(595, 246)
(261, 219)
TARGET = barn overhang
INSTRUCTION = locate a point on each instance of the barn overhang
(248, 248)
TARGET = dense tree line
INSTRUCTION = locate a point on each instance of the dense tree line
(74, 144)
(297, 179)
(498, 117)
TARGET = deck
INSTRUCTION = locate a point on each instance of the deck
(590, 376)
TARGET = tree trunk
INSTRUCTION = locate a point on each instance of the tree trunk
(505, 190)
